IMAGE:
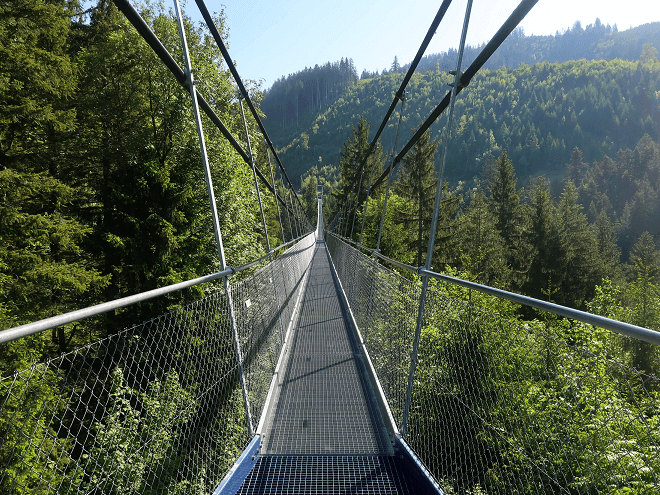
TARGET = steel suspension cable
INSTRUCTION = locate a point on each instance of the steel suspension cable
(357, 199)
(389, 182)
(214, 212)
(366, 201)
(434, 222)
(509, 25)
(223, 49)
(272, 178)
(159, 49)
(413, 66)
(254, 172)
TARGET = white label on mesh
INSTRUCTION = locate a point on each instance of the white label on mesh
(248, 303)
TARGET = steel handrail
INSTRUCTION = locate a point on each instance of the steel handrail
(619, 327)
(33, 328)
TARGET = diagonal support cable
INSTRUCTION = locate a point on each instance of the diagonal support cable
(152, 40)
(230, 63)
(434, 222)
(221, 252)
(509, 25)
(402, 88)
(413, 66)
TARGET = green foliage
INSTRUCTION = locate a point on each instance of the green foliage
(504, 199)
(308, 90)
(418, 184)
(132, 438)
(31, 412)
(393, 243)
(327, 176)
(356, 170)
(44, 269)
(481, 248)
(538, 113)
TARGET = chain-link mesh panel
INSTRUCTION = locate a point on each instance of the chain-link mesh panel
(264, 304)
(501, 404)
(384, 305)
(156, 408)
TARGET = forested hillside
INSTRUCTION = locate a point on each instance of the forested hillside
(596, 41)
(101, 185)
(549, 108)
(539, 113)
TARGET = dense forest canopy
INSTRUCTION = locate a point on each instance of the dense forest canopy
(553, 191)
(101, 181)
(585, 87)
(309, 90)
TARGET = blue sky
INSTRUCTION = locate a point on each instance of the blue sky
(269, 39)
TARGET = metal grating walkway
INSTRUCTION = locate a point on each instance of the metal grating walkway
(326, 434)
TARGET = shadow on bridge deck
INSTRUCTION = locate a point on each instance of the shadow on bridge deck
(324, 432)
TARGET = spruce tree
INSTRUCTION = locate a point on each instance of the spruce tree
(353, 178)
(481, 246)
(418, 184)
(43, 269)
(504, 199)
(542, 237)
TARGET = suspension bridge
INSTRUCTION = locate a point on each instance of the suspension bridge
(331, 369)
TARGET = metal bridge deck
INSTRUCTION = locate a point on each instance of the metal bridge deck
(326, 434)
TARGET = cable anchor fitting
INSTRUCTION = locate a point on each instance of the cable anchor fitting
(461, 84)
(189, 76)
(423, 269)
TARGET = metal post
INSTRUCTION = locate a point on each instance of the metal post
(295, 217)
(214, 214)
(434, 224)
(357, 200)
(389, 176)
(364, 212)
(272, 178)
(344, 216)
(254, 173)
(272, 270)
(288, 215)
(319, 212)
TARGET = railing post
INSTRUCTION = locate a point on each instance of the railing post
(389, 175)
(295, 216)
(434, 226)
(272, 178)
(272, 271)
(357, 201)
(254, 173)
(214, 215)
(319, 212)
(288, 215)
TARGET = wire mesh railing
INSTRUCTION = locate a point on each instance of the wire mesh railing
(155, 408)
(501, 404)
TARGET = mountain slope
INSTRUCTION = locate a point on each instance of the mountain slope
(539, 113)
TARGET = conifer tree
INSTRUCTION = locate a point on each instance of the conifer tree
(576, 168)
(353, 178)
(542, 237)
(643, 299)
(481, 246)
(504, 199)
(578, 264)
(418, 184)
(43, 269)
